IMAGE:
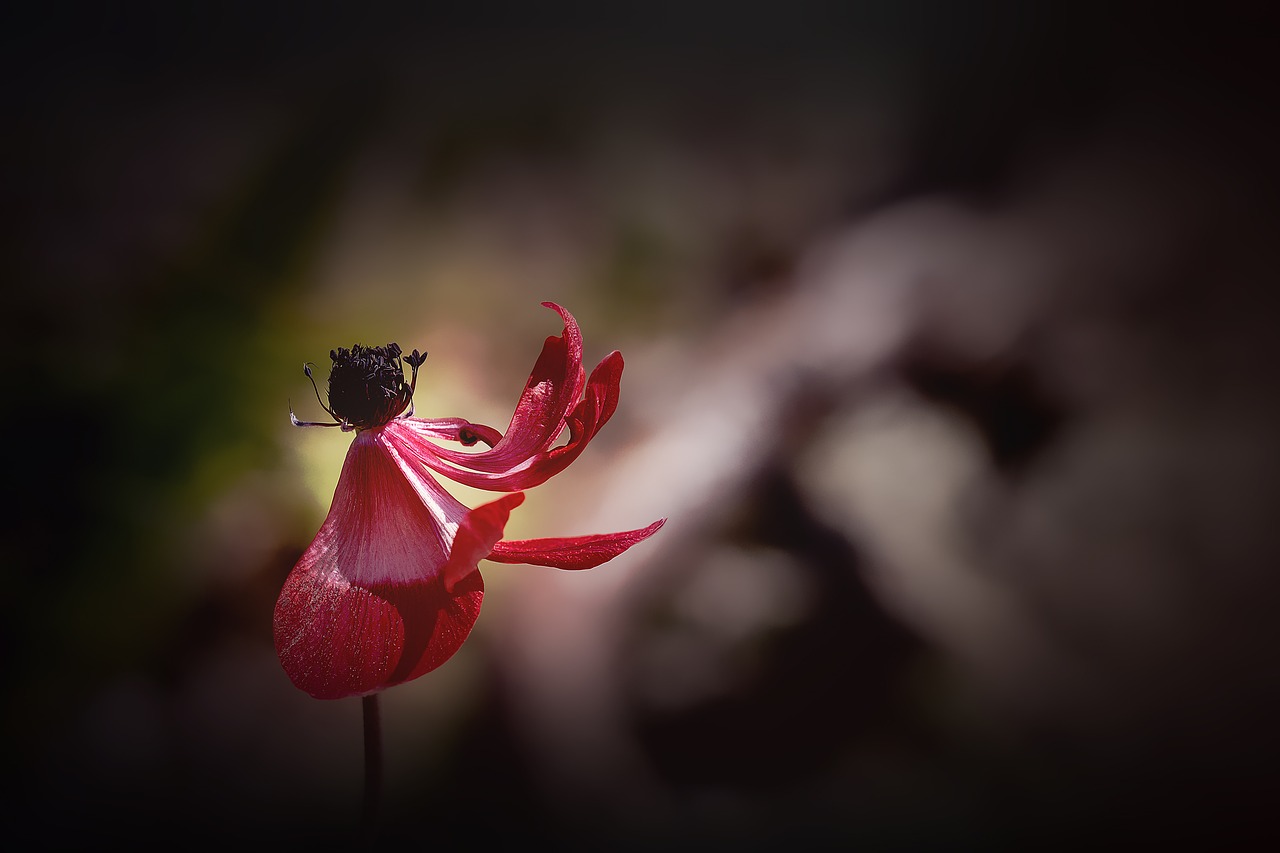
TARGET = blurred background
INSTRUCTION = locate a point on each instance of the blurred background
(950, 338)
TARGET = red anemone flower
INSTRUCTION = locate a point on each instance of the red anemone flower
(389, 588)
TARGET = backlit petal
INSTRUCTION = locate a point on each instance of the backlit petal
(573, 552)
(495, 471)
(478, 533)
(366, 606)
(456, 429)
(553, 387)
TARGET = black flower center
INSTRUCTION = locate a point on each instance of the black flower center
(367, 387)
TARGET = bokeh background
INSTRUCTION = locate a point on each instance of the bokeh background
(950, 341)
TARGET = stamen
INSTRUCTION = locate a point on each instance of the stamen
(306, 368)
(415, 361)
(293, 419)
(367, 387)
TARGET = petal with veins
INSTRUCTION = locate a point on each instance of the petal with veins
(366, 606)
(572, 552)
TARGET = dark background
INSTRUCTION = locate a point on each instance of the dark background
(1012, 544)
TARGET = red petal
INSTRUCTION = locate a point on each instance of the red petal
(573, 552)
(551, 390)
(478, 533)
(598, 405)
(366, 606)
(335, 639)
(487, 471)
(554, 385)
(457, 429)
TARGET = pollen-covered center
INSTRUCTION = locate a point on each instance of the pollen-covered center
(367, 386)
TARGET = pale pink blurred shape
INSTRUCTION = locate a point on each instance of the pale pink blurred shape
(969, 556)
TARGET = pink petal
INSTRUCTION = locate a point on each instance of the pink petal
(574, 552)
(598, 405)
(498, 472)
(457, 429)
(336, 639)
(366, 607)
(478, 533)
(551, 391)
(554, 385)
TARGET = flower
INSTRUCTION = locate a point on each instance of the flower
(389, 588)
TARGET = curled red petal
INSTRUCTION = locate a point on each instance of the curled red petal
(572, 552)
(487, 471)
(457, 429)
(597, 406)
(551, 390)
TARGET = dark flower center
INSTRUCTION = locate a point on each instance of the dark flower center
(367, 386)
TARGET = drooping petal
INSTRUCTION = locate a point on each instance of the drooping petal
(380, 596)
(477, 535)
(573, 552)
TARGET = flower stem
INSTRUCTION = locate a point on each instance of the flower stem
(372, 763)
